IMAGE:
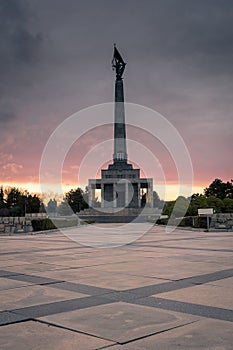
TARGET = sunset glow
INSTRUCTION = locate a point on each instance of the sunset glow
(172, 190)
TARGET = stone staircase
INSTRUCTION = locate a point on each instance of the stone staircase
(120, 214)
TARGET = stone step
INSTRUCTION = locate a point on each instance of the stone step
(119, 211)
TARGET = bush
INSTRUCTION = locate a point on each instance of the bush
(42, 224)
(186, 221)
(48, 224)
(201, 221)
(89, 221)
(162, 221)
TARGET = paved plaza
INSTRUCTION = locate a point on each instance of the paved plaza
(159, 291)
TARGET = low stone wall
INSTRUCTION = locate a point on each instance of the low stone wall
(10, 224)
(222, 221)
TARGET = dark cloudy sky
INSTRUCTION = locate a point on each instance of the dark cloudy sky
(55, 59)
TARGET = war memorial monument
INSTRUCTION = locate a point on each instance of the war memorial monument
(121, 186)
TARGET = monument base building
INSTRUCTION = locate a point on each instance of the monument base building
(121, 187)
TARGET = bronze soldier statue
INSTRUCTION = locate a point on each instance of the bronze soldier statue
(118, 63)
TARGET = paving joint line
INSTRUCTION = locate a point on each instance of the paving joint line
(138, 296)
(156, 333)
(148, 290)
(72, 330)
(9, 317)
(186, 308)
(57, 307)
(33, 312)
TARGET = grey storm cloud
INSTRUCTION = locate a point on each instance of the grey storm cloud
(19, 47)
(6, 115)
(18, 44)
(55, 59)
(194, 33)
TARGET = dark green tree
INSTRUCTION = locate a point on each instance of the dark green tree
(168, 208)
(14, 197)
(32, 203)
(181, 206)
(219, 189)
(75, 198)
(215, 203)
(14, 201)
(227, 205)
(4, 211)
(197, 201)
(2, 201)
(177, 208)
(18, 202)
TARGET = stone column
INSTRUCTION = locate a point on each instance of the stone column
(139, 198)
(102, 195)
(150, 193)
(91, 195)
(114, 196)
(120, 153)
(126, 193)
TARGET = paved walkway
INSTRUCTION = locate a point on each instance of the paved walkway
(162, 291)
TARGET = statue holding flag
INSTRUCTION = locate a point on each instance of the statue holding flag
(118, 63)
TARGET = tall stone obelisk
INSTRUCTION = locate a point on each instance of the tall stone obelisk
(121, 185)
(120, 151)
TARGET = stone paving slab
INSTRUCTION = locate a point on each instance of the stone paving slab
(38, 336)
(226, 283)
(6, 284)
(33, 295)
(161, 291)
(203, 335)
(173, 270)
(81, 260)
(120, 322)
(200, 295)
(4, 263)
(32, 268)
(75, 274)
(120, 281)
(102, 279)
(30, 278)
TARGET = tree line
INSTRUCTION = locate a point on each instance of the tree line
(219, 196)
(16, 202)
(73, 202)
